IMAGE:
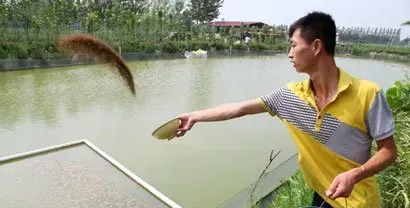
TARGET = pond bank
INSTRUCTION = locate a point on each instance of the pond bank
(21, 64)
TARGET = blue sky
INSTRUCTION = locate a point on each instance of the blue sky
(357, 13)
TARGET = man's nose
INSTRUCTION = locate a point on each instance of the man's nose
(290, 54)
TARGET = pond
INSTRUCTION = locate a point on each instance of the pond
(214, 161)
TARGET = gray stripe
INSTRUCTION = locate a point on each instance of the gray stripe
(350, 143)
(285, 104)
(379, 120)
(273, 99)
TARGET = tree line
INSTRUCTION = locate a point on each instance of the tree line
(153, 17)
(369, 35)
(29, 28)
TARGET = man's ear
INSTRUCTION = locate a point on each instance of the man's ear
(317, 46)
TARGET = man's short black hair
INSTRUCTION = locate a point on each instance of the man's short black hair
(317, 25)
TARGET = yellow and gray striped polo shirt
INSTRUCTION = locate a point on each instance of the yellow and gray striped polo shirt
(337, 138)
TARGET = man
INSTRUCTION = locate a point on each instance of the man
(332, 117)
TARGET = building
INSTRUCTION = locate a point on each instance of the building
(236, 24)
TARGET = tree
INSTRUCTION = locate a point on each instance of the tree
(91, 22)
(4, 17)
(135, 6)
(187, 18)
(205, 10)
(406, 23)
(177, 9)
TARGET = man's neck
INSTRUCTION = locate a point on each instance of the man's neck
(325, 79)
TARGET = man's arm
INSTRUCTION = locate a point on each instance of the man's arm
(343, 184)
(219, 113)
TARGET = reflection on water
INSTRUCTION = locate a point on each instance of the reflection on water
(46, 96)
(210, 164)
(202, 84)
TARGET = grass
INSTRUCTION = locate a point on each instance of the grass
(293, 193)
(395, 180)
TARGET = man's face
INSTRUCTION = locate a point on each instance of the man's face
(301, 54)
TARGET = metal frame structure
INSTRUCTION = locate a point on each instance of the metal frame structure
(101, 153)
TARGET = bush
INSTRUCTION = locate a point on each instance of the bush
(395, 180)
(36, 50)
(398, 96)
(195, 45)
(21, 52)
(131, 46)
(13, 50)
(258, 47)
(240, 46)
(366, 49)
(219, 46)
(170, 47)
(147, 47)
(282, 46)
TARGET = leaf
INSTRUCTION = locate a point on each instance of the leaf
(398, 83)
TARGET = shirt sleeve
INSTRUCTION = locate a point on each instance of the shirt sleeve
(271, 102)
(379, 120)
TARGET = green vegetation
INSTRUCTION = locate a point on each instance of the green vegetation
(398, 97)
(367, 49)
(394, 181)
(205, 11)
(369, 35)
(30, 28)
(377, 51)
(293, 193)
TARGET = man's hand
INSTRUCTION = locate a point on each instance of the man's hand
(187, 122)
(342, 185)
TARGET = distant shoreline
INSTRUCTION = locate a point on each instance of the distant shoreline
(30, 64)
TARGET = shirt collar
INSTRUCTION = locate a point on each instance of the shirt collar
(345, 80)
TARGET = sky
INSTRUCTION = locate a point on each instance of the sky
(347, 13)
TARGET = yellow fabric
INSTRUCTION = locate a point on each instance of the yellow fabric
(352, 105)
(319, 164)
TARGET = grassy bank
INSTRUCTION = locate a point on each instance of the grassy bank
(293, 193)
(381, 52)
(394, 181)
(400, 53)
(43, 50)
(48, 49)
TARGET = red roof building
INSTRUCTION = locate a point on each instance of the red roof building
(236, 24)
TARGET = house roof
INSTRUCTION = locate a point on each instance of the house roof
(234, 23)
